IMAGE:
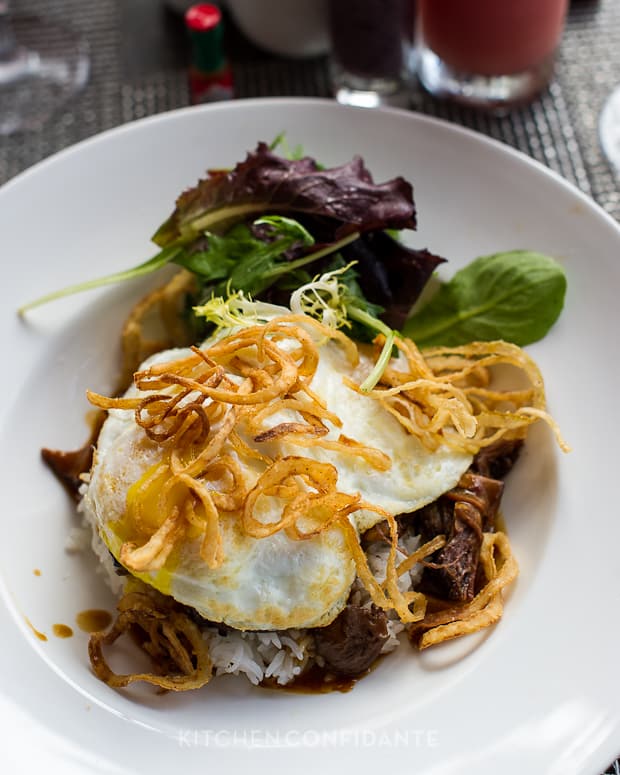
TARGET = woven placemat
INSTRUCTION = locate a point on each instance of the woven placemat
(139, 68)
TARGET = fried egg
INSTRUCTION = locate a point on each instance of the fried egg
(276, 582)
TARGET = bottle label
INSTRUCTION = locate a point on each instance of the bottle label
(210, 88)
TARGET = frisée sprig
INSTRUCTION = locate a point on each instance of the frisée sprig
(329, 298)
(333, 301)
(236, 310)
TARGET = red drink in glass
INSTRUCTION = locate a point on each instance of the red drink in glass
(507, 45)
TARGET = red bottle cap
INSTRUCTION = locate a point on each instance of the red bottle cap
(203, 17)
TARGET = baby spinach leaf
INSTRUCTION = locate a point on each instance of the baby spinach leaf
(515, 296)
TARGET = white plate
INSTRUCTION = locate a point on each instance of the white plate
(538, 695)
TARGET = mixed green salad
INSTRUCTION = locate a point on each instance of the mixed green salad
(280, 224)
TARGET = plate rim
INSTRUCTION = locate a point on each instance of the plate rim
(482, 140)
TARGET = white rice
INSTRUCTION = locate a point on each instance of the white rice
(275, 655)
(378, 554)
(105, 567)
(258, 655)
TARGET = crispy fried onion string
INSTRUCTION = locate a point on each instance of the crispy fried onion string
(203, 408)
(173, 641)
(445, 395)
(500, 569)
(311, 504)
(200, 407)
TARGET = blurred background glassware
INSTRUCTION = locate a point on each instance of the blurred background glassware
(290, 28)
(609, 128)
(371, 51)
(488, 53)
(42, 65)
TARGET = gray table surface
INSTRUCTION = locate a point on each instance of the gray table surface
(139, 68)
(139, 61)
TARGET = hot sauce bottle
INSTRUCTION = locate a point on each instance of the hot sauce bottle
(210, 76)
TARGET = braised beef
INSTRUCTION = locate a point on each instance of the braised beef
(352, 642)
(450, 572)
(497, 460)
(462, 515)
(67, 466)
(482, 492)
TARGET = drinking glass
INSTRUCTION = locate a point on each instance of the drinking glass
(372, 51)
(42, 65)
(488, 53)
(609, 128)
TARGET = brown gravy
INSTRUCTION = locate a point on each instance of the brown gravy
(319, 680)
(93, 620)
(40, 635)
(62, 630)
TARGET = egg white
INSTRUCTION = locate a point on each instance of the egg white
(275, 582)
